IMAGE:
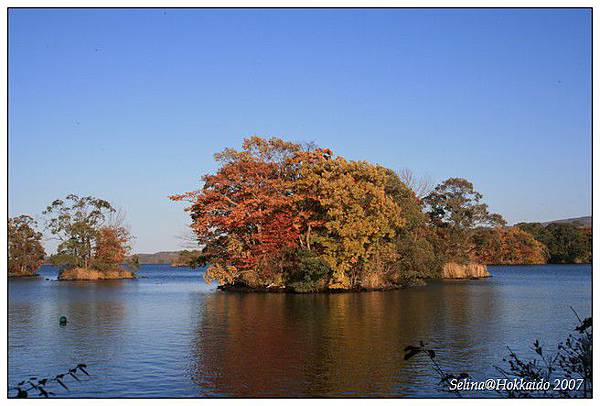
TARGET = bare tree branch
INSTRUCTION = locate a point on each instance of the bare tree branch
(422, 186)
(187, 239)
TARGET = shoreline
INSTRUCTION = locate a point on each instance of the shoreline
(229, 288)
(24, 276)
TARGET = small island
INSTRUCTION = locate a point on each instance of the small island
(93, 243)
(284, 217)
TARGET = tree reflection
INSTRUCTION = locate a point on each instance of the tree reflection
(330, 344)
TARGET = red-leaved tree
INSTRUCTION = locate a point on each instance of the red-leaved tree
(247, 215)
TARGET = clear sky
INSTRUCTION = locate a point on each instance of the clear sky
(130, 105)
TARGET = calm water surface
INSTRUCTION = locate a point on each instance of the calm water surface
(168, 334)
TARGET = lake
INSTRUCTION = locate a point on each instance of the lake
(169, 334)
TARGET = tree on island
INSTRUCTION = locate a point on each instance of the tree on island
(92, 242)
(456, 212)
(246, 215)
(468, 233)
(112, 247)
(25, 251)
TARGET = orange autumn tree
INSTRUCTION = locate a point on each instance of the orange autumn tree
(112, 247)
(507, 246)
(246, 216)
(352, 215)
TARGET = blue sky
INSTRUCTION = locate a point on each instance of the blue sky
(130, 105)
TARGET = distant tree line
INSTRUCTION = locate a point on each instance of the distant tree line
(565, 243)
(506, 246)
(187, 259)
(533, 243)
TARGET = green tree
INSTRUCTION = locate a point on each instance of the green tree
(537, 230)
(455, 208)
(25, 251)
(414, 253)
(306, 272)
(76, 223)
(566, 243)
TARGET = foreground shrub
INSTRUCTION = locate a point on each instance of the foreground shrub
(571, 363)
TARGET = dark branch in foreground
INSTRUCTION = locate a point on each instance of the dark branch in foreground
(571, 363)
(40, 386)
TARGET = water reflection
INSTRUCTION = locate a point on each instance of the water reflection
(332, 345)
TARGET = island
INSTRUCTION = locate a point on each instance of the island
(285, 217)
(93, 243)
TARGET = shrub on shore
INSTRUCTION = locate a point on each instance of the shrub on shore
(88, 274)
(567, 372)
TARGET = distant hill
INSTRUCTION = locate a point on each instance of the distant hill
(162, 257)
(585, 221)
